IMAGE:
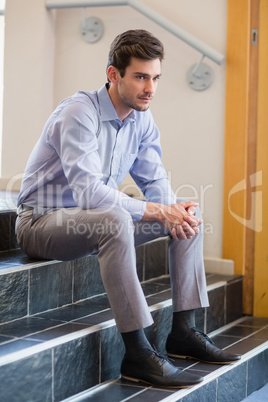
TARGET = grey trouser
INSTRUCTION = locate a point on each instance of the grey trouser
(71, 233)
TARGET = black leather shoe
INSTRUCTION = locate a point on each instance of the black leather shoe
(199, 346)
(157, 370)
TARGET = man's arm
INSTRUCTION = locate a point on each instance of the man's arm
(148, 171)
(177, 218)
(150, 175)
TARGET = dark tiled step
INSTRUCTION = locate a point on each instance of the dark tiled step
(55, 313)
(78, 346)
(152, 260)
(247, 336)
(29, 286)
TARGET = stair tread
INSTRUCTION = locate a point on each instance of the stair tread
(18, 259)
(15, 259)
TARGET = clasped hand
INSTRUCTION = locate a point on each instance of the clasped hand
(179, 219)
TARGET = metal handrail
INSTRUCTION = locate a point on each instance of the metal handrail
(174, 29)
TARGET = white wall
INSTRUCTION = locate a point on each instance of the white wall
(2, 36)
(191, 123)
(28, 80)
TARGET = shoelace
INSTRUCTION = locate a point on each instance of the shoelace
(203, 336)
(157, 355)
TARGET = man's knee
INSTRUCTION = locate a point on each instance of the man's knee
(118, 223)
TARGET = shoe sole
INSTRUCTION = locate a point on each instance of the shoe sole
(195, 358)
(157, 385)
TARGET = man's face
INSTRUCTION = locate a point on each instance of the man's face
(138, 86)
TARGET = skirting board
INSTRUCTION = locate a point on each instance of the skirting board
(219, 266)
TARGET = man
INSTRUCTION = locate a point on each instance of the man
(88, 145)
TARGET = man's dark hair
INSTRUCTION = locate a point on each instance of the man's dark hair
(136, 43)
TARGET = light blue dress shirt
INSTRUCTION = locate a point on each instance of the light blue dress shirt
(84, 153)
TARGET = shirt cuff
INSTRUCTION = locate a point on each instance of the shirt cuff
(135, 207)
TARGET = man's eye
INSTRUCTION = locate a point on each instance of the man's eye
(141, 77)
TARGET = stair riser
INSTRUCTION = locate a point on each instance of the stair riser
(63, 370)
(48, 287)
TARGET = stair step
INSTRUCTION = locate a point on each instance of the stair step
(57, 333)
(44, 354)
(31, 286)
(234, 382)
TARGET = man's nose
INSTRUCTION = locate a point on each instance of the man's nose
(150, 88)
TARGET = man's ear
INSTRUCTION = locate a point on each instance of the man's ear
(113, 74)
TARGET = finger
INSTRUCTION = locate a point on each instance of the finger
(192, 220)
(174, 233)
(188, 204)
(180, 233)
(191, 210)
(196, 230)
(188, 230)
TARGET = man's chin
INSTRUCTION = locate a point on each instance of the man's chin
(142, 108)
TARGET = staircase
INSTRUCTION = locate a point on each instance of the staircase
(59, 342)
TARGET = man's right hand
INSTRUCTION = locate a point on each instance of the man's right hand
(177, 218)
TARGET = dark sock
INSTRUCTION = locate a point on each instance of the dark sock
(182, 322)
(137, 345)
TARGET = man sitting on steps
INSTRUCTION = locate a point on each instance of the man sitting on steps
(88, 145)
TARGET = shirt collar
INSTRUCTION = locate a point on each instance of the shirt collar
(107, 109)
